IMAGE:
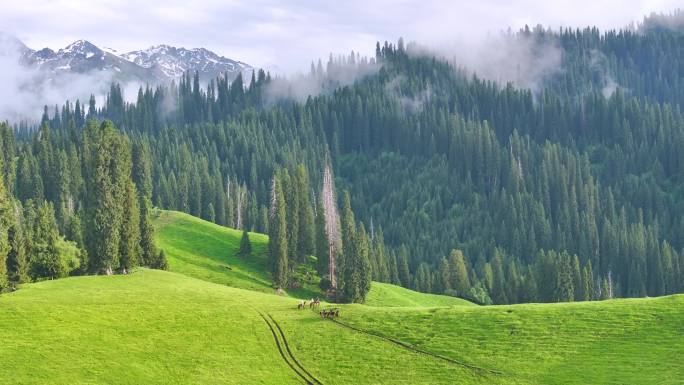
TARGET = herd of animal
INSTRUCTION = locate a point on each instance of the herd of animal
(315, 302)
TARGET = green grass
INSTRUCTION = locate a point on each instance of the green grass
(155, 327)
(386, 295)
(628, 341)
(190, 327)
(203, 250)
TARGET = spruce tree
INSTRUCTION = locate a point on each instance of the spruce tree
(458, 273)
(160, 262)
(245, 245)
(17, 262)
(564, 278)
(321, 239)
(363, 264)
(498, 280)
(277, 241)
(44, 259)
(129, 246)
(403, 267)
(348, 233)
(291, 194)
(104, 208)
(5, 221)
(306, 217)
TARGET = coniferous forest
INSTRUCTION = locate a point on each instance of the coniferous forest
(445, 182)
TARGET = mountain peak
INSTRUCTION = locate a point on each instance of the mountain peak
(155, 64)
(174, 61)
(81, 48)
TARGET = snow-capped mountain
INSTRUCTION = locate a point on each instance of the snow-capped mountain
(173, 62)
(84, 57)
(153, 65)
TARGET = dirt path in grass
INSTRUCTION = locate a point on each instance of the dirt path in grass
(406, 346)
(286, 353)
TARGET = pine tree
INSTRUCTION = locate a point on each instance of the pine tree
(564, 291)
(403, 267)
(104, 209)
(498, 284)
(321, 240)
(142, 176)
(306, 217)
(348, 235)
(577, 283)
(161, 263)
(5, 221)
(17, 262)
(363, 263)
(278, 236)
(245, 245)
(129, 246)
(291, 195)
(458, 273)
(44, 259)
(444, 275)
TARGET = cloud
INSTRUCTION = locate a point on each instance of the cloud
(284, 35)
(410, 103)
(339, 72)
(525, 60)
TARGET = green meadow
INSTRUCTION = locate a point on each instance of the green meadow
(214, 319)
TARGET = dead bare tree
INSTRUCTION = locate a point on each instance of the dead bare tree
(240, 202)
(272, 209)
(610, 284)
(332, 220)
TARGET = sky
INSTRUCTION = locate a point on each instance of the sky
(285, 35)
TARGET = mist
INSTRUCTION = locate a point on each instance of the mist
(525, 60)
(26, 90)
(338, 72)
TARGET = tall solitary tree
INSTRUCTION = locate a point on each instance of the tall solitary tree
(306, 217)
(5, 221)
(458, 272)
(142, 176)
(278, 235)
(245, 245)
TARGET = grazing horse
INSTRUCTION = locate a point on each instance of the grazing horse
(332, 313)
(301, 305)
(314, 302)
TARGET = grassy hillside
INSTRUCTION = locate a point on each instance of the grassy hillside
(154, 327)
(207, 251)
(384, 294)
(628, 341)
(204, 250)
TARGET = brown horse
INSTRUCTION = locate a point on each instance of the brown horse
(332, 313)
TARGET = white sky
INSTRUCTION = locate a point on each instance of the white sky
(285, 35)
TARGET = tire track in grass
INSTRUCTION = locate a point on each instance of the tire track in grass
(282, 354)
(406, 346)
(289, 352)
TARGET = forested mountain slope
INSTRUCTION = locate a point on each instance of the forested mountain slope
(571, 191)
